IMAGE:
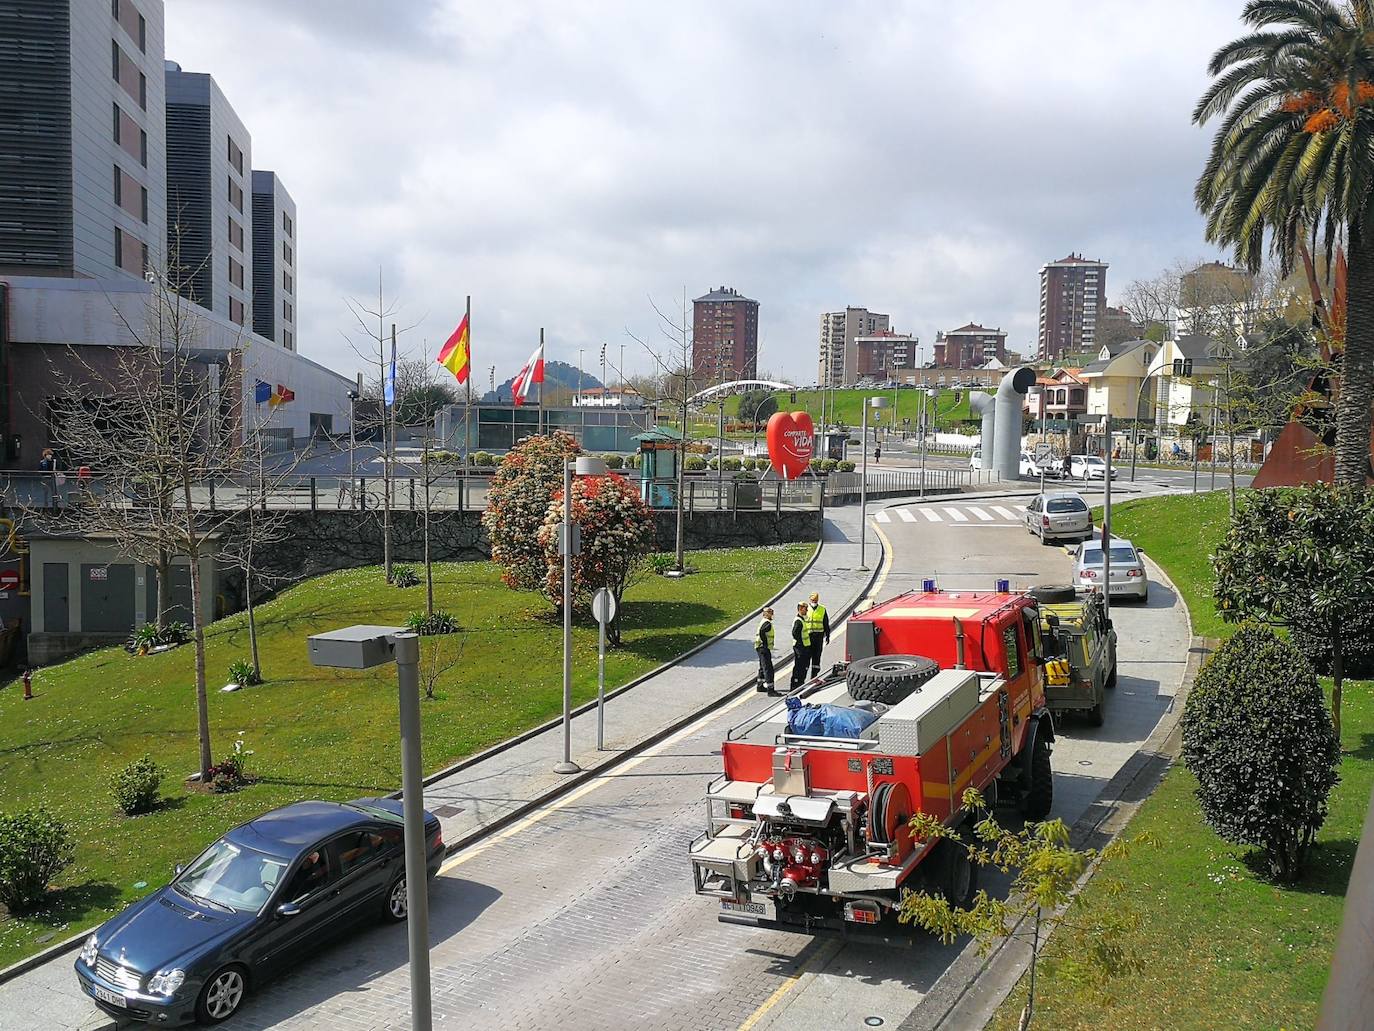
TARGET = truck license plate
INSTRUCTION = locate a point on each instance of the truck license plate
(106, 996)
(746, 908)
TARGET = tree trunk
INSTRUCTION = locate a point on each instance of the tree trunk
(1337, 678)
(198, 629)
(1357, 364)
(680, 536)
(429, 566)
(1029, 1012)
(164, 587)
(252, 618)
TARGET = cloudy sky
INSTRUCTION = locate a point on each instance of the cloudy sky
(564, 163)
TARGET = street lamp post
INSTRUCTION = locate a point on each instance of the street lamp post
(362, 647)
(352, 444)
(570, 544)
(876, 403)
(1135, 427)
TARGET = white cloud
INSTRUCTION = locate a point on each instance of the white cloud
(562, 163)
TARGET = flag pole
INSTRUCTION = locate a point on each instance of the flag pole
(467, 401)
(540, 425)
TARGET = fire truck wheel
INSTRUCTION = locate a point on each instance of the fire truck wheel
(889, 678)
(958, 875)
(1040, 792)
(1095, 715)
(1111, 680)
(1053, 594)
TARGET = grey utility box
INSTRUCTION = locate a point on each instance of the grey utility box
(354, 647)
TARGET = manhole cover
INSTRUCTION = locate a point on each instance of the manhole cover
(447, 810)
(1085, 762)
(873, 1021)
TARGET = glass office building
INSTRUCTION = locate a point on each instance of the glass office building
(498, 427)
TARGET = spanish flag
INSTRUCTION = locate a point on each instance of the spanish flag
(456, 355)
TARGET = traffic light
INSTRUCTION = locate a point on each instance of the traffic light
(794, 397)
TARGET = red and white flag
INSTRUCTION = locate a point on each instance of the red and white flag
(531, 372)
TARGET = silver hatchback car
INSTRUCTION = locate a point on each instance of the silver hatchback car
(1059, 515)
(1129, 579)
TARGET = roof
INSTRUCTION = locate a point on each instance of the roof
(723, 293)
(1195, 346)
(1116, 351)
(1074, 259)
(973, 327)
(658, 433)
(285, 831)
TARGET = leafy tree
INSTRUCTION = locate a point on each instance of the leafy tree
(617, 536)
(1047, 871)
(1256, 736)
(1300, 556)
(757, 406)
(1292, 157)
(530, 474)
(35, 847)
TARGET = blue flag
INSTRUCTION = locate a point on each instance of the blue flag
(389, 390)
(261, 392)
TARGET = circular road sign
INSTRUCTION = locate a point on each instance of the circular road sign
(603, 606)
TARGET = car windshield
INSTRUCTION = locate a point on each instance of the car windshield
(1092, 460)
(1123, 553)
(1065, 505)
(231, 877)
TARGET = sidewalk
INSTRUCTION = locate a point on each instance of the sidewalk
(492, 789)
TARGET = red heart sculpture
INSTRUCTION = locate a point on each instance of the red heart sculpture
(791, 442)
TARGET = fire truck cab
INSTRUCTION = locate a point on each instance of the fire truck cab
(940, 691)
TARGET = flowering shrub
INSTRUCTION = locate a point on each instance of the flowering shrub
(230, 773)
(617, 535)
(530, 474)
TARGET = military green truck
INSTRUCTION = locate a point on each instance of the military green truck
(1080, 650)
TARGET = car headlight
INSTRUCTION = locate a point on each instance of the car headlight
(166, 982)
(88, 951)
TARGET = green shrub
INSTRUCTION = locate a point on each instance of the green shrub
(439, 622)
(695, 464)
(828, 465)
(846, 466)
(1258, 737)
(35, 847)
(404, 576)
(483, 459)
(750, 464)
(662, 563)
(732, 465)
(241, 672)
(150, 635)
(713, 463)
(815, 465)
(136, 786)
(614, 461)
(1357, 643)
(632, 461)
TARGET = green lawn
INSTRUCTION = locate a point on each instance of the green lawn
(1217, 945)
(317, 733)
(848, 409)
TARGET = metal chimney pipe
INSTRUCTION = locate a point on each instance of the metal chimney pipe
(1007, 455)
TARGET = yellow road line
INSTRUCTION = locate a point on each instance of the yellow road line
(887, 564)
(823, 956)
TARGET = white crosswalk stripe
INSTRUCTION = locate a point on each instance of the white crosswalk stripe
(908, 516)
(931, 515)
(1006, 513)
(881, 517)
(980, 514)
(956, 515)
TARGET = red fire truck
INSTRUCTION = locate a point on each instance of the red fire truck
(808, 831)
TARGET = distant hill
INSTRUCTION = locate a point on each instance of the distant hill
(557, 375)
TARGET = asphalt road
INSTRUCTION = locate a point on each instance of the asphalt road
(582, 916)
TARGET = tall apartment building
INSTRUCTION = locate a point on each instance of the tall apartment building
(881, 355)
(209, 183)
(274, 260)
(725, 336)
(839, 354)
(81, 137)
(1073, 301)
(971, 346)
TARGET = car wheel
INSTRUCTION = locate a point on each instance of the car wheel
(223, 993)
(395, 905)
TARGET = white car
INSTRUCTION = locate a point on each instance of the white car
(1088, 467)
(1129, 579)
(975, 460)
(1059, 515)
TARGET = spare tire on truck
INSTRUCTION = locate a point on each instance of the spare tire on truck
(1053, 594)
(888, 678)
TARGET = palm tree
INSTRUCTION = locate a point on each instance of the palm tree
(1293, 162)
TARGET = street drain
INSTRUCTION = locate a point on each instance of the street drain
(873, 1021)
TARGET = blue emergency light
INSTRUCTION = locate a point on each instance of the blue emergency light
(928, 586)
(1003, 586)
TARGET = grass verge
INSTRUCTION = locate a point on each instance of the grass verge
(1215, 944)
(317, 733)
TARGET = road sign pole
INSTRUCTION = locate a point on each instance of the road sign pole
(601, 690)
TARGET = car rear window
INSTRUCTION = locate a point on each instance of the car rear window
(1065, 505)
(1093, 556)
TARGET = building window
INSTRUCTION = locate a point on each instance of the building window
(287, 225)
(119, 247)
(235, 157)
(235, 194)
(236, 273)
(118, 186)
(286, 281)
(142, 34)
(286, 252)
(286, 311)
(116, 123)
(235, 233)
(143, 203)
(114, 59)
(143, 91)
(144, 255)
(236, 311)
(288, 341)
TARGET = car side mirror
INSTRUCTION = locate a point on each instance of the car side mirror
(287, 910)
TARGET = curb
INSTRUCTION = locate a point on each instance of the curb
(972, 988)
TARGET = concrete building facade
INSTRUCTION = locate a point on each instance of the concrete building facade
(880, 356)
(209, 190)
(838, 363)
(81, 137)
(274, 260)
(725, 336)
(1073, 302)
(971, 346)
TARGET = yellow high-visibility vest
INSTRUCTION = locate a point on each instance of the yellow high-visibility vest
(815, 620)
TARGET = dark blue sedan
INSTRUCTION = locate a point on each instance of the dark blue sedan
(254, 901)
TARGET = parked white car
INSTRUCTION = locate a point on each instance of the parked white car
(1129, 579)
(975, 460)
(1089, 467)
(1059, 515)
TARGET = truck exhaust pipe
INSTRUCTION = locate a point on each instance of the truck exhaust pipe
(959, 644)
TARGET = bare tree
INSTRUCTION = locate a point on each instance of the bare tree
(154, 423)
(437, 657)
